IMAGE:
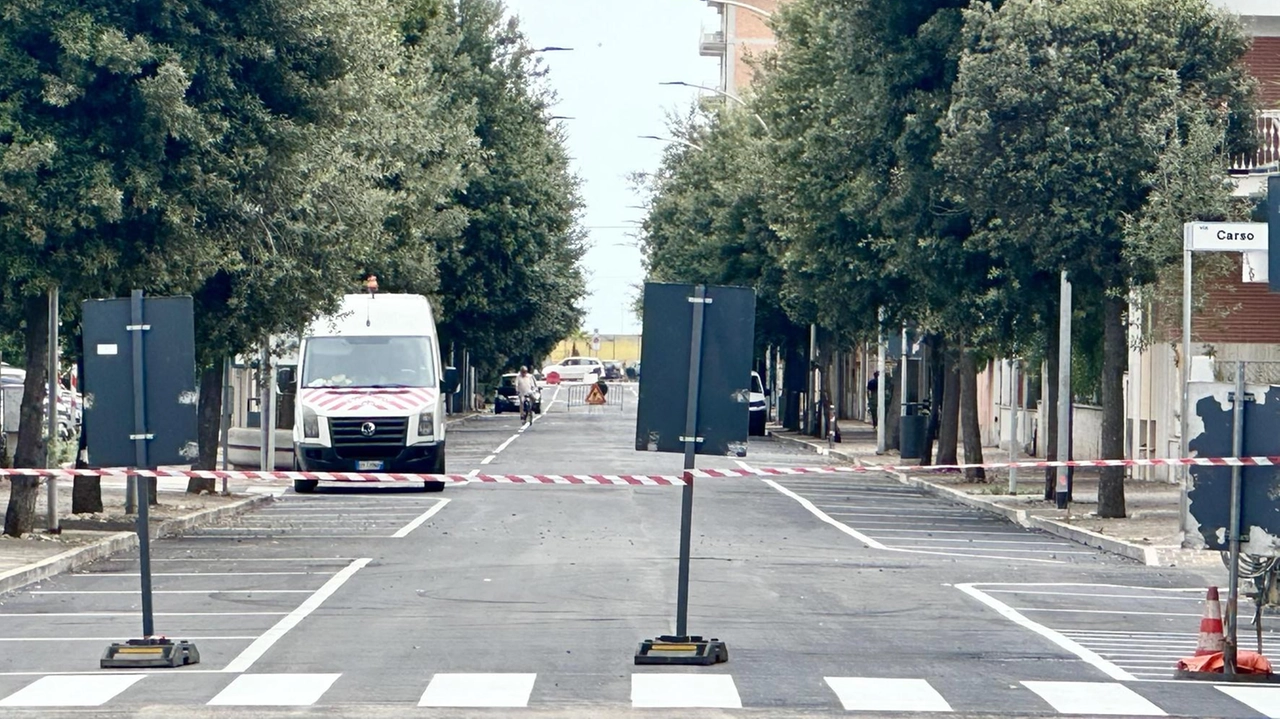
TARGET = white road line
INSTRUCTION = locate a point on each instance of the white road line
(827, 507)
(1011, 531)
(1104, 596)
(478, 690)
(506, 444)
(171, 591)
(250, 532)
(137, 613)
(225, 560)
(260, 646)
(116, 639)
(71, 690)
(196, 574)
(1094, 698)
(954, 525)
(684, 691)
(1007, 549)
(887, 695)
(1106, 611)
(473, 472)
(488, 459)
(275, 690)
(1085, 654)
(1264, 700)
(1014, 542)
(404, 531)
(874, 544)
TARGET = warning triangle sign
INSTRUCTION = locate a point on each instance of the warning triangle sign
(595, 396)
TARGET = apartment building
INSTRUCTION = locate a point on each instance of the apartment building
(743, 32)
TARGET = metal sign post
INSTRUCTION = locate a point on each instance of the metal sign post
(150, 650)
(1233, 528)
(1062, 489)
(52, 442)
(715, 401)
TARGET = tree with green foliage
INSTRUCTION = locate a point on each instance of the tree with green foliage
(1067, 122)
(511, 282)
(156, 145)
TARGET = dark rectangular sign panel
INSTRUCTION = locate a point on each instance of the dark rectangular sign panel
(169, 378)
(728, 340)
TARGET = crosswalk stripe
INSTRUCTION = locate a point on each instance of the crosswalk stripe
(887, 695)
(275, 690)
(478, 690)
(1264, 700)
(684, 691)
(71, 690)
(1094, 698)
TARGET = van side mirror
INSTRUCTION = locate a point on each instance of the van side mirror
(450, 383)
(286, 378)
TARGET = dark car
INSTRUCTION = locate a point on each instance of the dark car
(504, 396)
(613, 370)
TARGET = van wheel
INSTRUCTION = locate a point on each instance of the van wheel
(437, 467)
(305, 486)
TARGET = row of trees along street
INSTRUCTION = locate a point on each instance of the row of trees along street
(265, 157)
(941, 162)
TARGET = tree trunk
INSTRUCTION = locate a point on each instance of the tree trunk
(969, 416)
(208, 427)
(892, 408)
(20, 516)
(86, 492)
(1050, 407)
(949, 412)
(1115, 355)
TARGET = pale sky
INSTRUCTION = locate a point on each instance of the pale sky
(609, 85)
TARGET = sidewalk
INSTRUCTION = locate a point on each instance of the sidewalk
(1149, 534)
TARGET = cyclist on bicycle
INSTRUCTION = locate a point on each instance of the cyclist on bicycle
(526, 385)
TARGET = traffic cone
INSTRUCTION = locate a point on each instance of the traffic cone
(1211, 640)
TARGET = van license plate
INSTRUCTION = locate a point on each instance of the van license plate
(368, 465)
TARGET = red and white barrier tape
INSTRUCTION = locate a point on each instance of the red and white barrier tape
(633, 479)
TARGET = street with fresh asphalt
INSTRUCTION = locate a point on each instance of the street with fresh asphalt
(836, 594)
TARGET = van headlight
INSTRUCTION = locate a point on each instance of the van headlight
(427, 424)
(310, 425)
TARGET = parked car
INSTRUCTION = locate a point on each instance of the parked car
(613, 370)
(758, 408)
(504, 396)
(574, 369)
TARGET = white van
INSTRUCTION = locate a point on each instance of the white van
(371, 391)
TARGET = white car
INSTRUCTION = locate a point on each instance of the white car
(759, 410)
(574, 369)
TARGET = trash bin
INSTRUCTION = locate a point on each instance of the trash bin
(914, 425)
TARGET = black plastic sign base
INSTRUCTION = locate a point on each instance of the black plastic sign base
(682, 650)
(151, 652)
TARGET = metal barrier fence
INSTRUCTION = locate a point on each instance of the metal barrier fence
(581, 395)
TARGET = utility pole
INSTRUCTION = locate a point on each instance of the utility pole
(52, 444)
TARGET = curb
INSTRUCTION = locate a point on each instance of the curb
(119, 542)
(1148, 555)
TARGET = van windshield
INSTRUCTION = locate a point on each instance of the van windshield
(368, 362)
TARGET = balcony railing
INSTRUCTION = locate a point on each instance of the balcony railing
(713, 44)
(1267, 158)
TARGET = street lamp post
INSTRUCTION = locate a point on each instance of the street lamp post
(676, 140)
(763, 13)
(723, 93)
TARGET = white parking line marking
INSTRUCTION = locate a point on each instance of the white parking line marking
(684, 691)
(1105, 611)
(171, 591)
(197, 574)
(275, 690)
(1094, 698)
(874, 544)
(1104, 596)
(887, 695)
(116, 639)
(254, 651)
(1008, 612)
(404, 531)
(488, 459)
(71, 690)
(478, 690)
(136, 613)
(1265, 700)
(506, 444)
(299, 560)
